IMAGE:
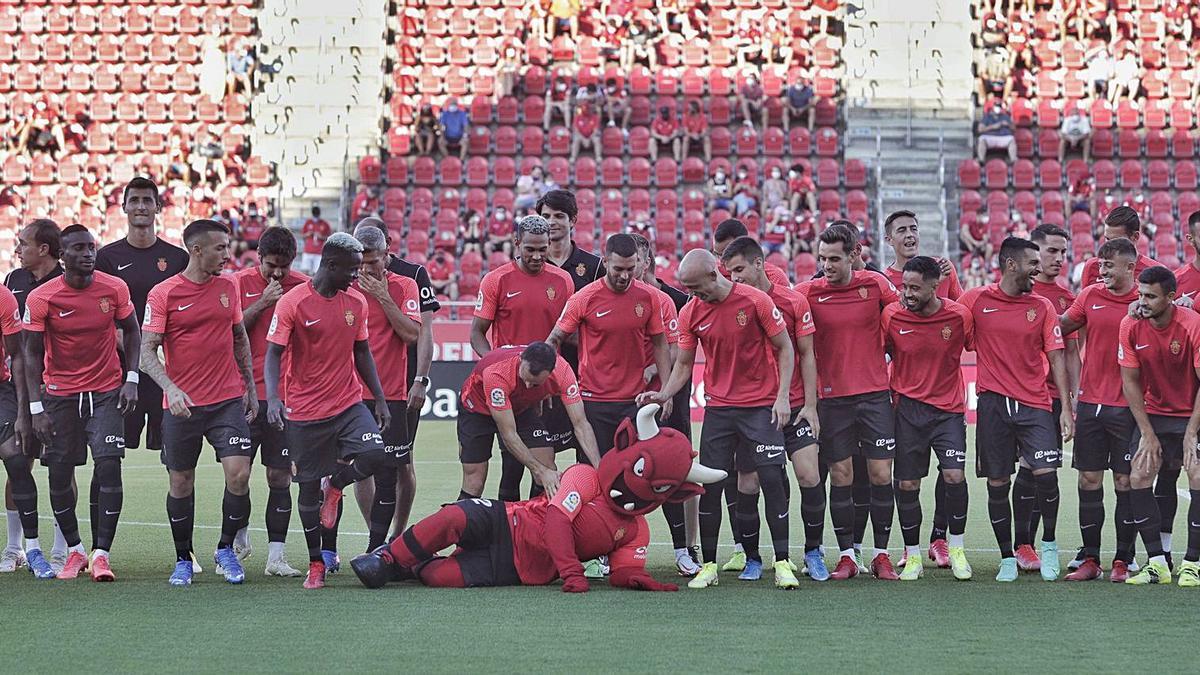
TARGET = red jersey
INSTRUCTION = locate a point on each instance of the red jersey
(670, 320)
(251, 285)
(196, 322)
(1167, 359)
(849, 345)
(1012, 337)
(1101, 313)
(318, 335)
(539, 555)
(948, 289)
(927, 353)
(315, 232)
(611, 327)
(81, 338)
(1061, 298)
(10, 324)
(775, 274)
(797, 316)
(586, 124)
(739, 361)
(390, 352)
(495, 384)
(522, 307)
(1187, 281)
(1091, 269)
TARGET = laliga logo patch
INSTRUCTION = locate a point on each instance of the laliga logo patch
(270, 331)
(497, 396)
(145, 319)
(26, 319)
(571, 501)
(673, 325)
(479, 301)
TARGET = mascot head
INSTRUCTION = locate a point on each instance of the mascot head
(649, 466)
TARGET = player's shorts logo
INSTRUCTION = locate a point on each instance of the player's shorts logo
(120, 440)
(639, 310)
(1031, 315)
(572, 501)
(224, 300)
(947, 332)
(1176, 347)
(497, 396)
(105, 305)
(349, 318)
(741, 317)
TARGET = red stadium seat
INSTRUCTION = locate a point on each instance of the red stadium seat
(969, 174)
(799, 141)
(507, 110)
(1131, 174)
(479, 140)
(1189, 203)
(451, 171)
(1024, 140)
(559, 170)
(1081, 223)
(1052, 202)
(721, 141)
(1185, 175)
(1102, 115)
(639, 172)
(856, 173)
(1048, 143)
(424, 171)
(585, 199)
(996, 172)
(969, 201)
(773, 142)
(1182, 116)
(369, 170)
(1105, 173)
(559, 141)
(693, 199)
(585, 172)
(666, 173)
(612, 172)
(1156, 144)
(827, 174)
(1158, 175)
(1129, 144)
(1049, 175)
(533, 108)
(1127, 115)
(1103, 144)
(639, 142)
(746, 141)
(1183, 145)
(694, 170)
(421, 199)
(1025, 201)
(827, 142)
(1049, 115)
(1023, 175)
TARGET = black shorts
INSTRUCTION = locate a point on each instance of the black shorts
(485, 549)
(1007, 430)
(8, 411)
(396, 441)
(1102, 435)
(797, 435)
(920, 428)
(1056, 411)
(272, 441)
(1169, 431)
(148, 415)
(477, 433)
(317, 445)
(223, 424)
(859, 424)
(681, 411)
(741, 439)
(605, 417)
(552, 430)
(80, 421)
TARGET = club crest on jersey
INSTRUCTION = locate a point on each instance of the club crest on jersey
(162, 264)
(741, 317)
(1062, 304)
(1031, 315)
(639, 310)
(550, 292)
(863, 292)
(619, 534)
(224, 300)
(580, 270)
(105, 305)
(1176, 347)
(349, 318)
(946, 333)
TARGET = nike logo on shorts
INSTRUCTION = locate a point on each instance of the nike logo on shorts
(121, 267)
(771, 455)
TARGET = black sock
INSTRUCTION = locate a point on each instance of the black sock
(1126, 531)
(1024, 500)
(1091, 520)
(24, 491)
(940, 517)
(536, 489)
(1144, 511)
(1193, 542)
(1167, 498)
(181, 511)
(731, 497)
(1001, 514)
(235, 514)
(956, 507)
(812, 512)
(110, 495)
(748, 524)
(384, 507)
(308, 503)
(329, 535)
(778, 518)
(673, 513)
(364, 466)
(841, 512)
(279, 513)
(908, 507)
(463, 494)
(861, 494)
(511, 473)
(62, 501)
(710, 524)
(94, 506)
(1047, 497)
(883, 508)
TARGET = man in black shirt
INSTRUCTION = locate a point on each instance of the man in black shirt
(420, 357)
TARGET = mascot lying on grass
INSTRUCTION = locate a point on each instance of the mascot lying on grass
(596, 511)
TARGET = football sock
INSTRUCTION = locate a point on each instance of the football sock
(32, 544)
(710, 524)
(1144, 511)
(363, 466)
(1126, 531)
(442, 573)
(1168, 500)
(778, 518)
(463, 494)
(329, 535)
(787, 487)
(1193, 542)
(908, 506)
(308, 503)
(511, 473)
(1001, 514)
(940, 522)
(24, 492)
(956, 508)
(1091, 520)
(279, 513)
(536, 490)
(861, 494)
(812, 512)
(383, 508)
(181, 511)
(235, 514)
(1047, 497)
(110, 495)
(1024, 499)
(94, 502)
(60, 543)
(731, 495)
(748, 524)
(883, 508)
(841, 512)
(429, 535)
(676, 524)
(62, 501)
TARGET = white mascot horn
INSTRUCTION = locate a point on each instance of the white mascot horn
(703, 475)
(647, 427)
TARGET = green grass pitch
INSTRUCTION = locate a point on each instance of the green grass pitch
(935, 624)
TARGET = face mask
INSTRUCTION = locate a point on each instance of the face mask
(741, 174)
(793, 175)
(720, 175)
(453, 108)
(775, 174)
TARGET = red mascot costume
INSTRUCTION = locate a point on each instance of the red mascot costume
(595, 512)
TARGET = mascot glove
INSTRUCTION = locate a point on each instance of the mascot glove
(639, 580)
(576, 583)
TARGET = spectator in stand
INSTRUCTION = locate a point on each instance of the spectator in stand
(558, 99)
(996, 132)
(453, 127)
(177, 160)
(664, 130)
(1103, 205)
(975, 275)
(442, 275)
(720, 191)
(1018, 226)
(366, 203)
(801, 190)
(500, 231)
(590, 94)
(470, 233)
(745, 192)
(994, 33)
(240, 62)
(798, 102)
(91, 193)
(777, 233)
(537, 13)
(804, 232)
(75, 134)
(1079, 194)
(564, 14)
(750, 101)
(748, 39)
(253, 226)
(587, 132)
(775, 191)
(777, 43)
(616, 104)
(531, 186)
(508, 70)
(1076, 133)
(974, 237)
(206, 157)
(695, 130)
(314, 233)
(1127, 78)
(641, 45)
(425, 131)
(995, 73)
(1099, 68)
(43, 133)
